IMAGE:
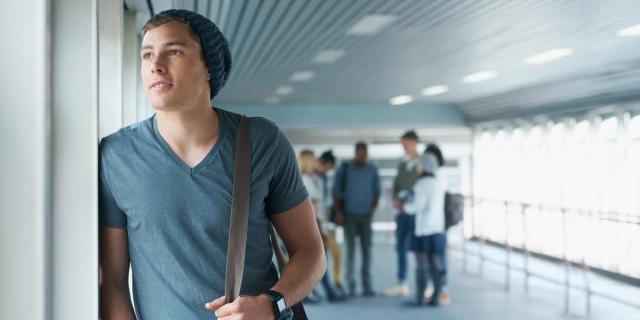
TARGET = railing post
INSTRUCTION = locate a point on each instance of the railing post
(585, 273)
(464, 242)
(565, 258)
(481, 249)
(507, 246)
(523, 207)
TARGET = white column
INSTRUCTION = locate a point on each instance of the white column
(110, 57)
(130, 70)
(24, 165)
(74, 160)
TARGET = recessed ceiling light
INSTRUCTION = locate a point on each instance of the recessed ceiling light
(284, 90)
(272, 100)
(371, 24)
(434, 90)
(328, 56)
(302, 76)
(479, 76)
(400, 100)
(548, 56)
(632, 31)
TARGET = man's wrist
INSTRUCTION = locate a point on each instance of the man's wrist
(268, 305)
(279, 306)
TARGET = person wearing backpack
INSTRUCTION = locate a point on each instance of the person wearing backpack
(356, 192)
(426, 199)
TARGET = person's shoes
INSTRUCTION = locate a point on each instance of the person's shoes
(433, 303)
(339, 289)
(444, 298)
(397, 291)
(336, 297)
(351, 293)
(428, 293)
(369, 293)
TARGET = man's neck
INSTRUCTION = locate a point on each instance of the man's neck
(412, 156)
(192, 128)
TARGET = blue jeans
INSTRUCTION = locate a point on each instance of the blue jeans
(405, 225)
(431, 260)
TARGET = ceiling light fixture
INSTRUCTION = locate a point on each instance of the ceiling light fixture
(284, 90)
(479, 76)
(548, 56)
(329, 56)
(632, 31)
(272, 100)
(371, 24)
(301, 76)
(435, 90)
(400, 100)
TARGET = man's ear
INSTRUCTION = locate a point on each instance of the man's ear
(208, 76)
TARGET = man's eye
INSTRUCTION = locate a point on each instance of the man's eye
(146, 56)
(174, 52)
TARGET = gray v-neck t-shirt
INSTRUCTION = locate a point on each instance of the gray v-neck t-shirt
(177, 217)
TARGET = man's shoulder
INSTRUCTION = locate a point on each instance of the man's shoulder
(260, 127)
(124, 137)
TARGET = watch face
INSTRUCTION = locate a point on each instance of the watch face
(281, 305)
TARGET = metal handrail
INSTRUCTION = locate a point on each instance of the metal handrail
(610, 216)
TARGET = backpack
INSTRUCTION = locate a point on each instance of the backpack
(453, 209)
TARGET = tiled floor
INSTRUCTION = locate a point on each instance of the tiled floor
(481, 296)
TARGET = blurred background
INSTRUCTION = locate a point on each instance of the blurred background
(535, 105)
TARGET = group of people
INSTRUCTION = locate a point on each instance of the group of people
(350, 203)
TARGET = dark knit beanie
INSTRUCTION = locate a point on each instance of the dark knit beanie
(215, 47)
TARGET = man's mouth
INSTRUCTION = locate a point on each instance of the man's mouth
(159, 85)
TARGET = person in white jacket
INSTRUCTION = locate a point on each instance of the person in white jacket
(426, 199)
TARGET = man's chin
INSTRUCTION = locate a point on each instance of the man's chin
(163, 104)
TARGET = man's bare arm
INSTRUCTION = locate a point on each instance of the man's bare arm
(115, 300)
(299, 231)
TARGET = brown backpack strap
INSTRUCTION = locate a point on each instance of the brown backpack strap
(240, 218)
(239, 212)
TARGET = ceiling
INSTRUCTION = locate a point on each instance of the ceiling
(427, 43)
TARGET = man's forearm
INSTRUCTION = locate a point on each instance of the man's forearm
(115, 302)
(301, 274)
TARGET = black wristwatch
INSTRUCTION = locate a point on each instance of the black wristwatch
(280, 308)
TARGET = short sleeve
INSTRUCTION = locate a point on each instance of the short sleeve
(286, 189)
(109, 213)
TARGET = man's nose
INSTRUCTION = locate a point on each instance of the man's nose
(158, 66)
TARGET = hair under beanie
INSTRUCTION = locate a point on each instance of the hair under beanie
(215, 47)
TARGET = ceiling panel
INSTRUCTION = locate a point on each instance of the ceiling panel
(429, 43)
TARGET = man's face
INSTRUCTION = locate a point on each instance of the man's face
(409, 146)
(174, 74)
(361, 156)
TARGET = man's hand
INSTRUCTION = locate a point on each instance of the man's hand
(245, 307)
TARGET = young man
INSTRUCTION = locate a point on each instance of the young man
(166, 190)
(325, 163)
(405, 221)
(357, 190)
